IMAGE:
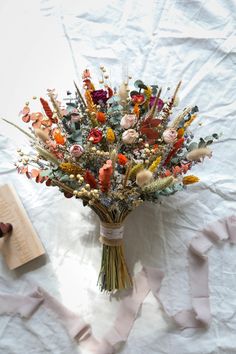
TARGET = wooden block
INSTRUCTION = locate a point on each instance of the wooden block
(23, 244)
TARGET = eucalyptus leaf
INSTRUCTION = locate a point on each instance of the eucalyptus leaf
(65, 178)
(45, 173)
(143, 86)
(76, 136)
(209, 142)
(154, 89)
(192, 146)
(113, 100)
(138, 83)
(71, 106)
(201, 143)
(207, 138)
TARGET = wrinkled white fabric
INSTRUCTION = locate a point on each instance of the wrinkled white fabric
(47, 44)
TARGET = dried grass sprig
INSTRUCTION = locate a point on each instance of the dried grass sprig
(55, 105)
(47, 155)
(159, 184)
(127, 174)
(175, 124)
(19, 128)
(198, 154)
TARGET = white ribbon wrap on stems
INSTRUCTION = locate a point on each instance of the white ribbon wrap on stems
(112, 231)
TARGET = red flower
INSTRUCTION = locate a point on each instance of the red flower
(138, 98)
(122, 159)
(90, 179)
(95, 136)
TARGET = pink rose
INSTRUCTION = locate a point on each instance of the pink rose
(129, 136)
(169, 135)
(128, 121)
(76, 150)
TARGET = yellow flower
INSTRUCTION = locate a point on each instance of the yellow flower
(190, 179)
(110, 136)
(155, 163)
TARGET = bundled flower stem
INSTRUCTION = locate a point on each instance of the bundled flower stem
(112, 149)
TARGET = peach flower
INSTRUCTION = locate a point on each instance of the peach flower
(129, 136)
(169, 136)
(128, 121)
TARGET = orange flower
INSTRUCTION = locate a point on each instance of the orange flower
(155, 147)
(122, 159)
(180, 132)
(136, 110)
(58, 137)
(101, 117)
(167, 173)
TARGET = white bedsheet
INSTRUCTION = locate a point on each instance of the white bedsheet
(48, 43)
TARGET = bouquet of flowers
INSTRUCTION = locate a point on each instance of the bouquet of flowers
(114, 148)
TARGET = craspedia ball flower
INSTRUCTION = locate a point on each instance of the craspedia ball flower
(110, 136)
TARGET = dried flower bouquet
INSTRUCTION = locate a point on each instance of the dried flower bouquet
(114, 149)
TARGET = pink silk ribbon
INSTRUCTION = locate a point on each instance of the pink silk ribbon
(148, 279)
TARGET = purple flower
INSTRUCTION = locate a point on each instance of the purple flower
(160, 103)
(99, 95)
